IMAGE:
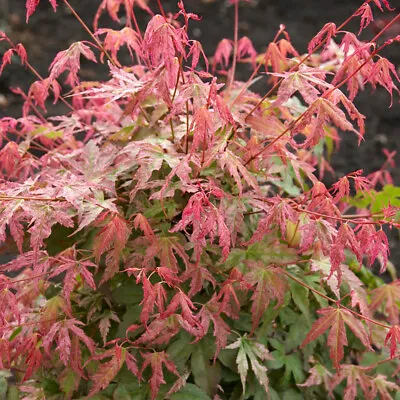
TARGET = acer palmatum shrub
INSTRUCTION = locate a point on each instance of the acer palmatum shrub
(175, 238)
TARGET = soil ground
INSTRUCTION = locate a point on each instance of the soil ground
(48, 32)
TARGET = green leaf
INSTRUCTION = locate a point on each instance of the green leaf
(129, 292)
(180, 350)
(206, 373)
(130, 317)
(254, 352)
(50, 386)
(4, 375)
(291, 395)
(15, 333)
(300, 298)
(190, 392)
(68, 382)
(13, 393)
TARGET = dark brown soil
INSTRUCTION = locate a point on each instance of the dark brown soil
(49, 32)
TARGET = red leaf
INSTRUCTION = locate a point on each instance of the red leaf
(7, 56)
(115, 39)
(389, 295)
(269, 283)
(325, 34)
(223, 54)
(107, 371)
(114, 235)
(245, 47)
(335, 319)
(156, 361)
(30, 6)
(366, 16)
(149, 300)
(345, 238)
(181, 300)
(354, 374)
(206, 220)
(228, 160)
(20, 49)
(380, 74)
(141, 222)
(196, 49)
(34, 356)
(39, 92)
(393, 336)
(68, 60)
(113, 7)
(130, 362)
(211, 312)
(308, 81)
(385, 3)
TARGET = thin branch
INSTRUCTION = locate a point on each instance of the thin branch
(98, 43)
(300, 282)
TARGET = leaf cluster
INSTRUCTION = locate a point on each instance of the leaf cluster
(174, 238)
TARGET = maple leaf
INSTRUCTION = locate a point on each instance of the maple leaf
(277, 214)
(6, 59)
(105, 323)
(211, 312)
(350, 70)
(374, 244)
(325, 34)
(162, 42)
(276, 56)
(222, 54)
(31, 5)
(141, 222)
(149, 300)
(353, 374)
(249, 349)
(115, 39)
(385, 3)
(234, 165)
(197, 275)
(318, 374)
(39, 92)
(196, 49)
(107, 371)
(9, 308)
(203, 129)
(245, 47)
(388, 294)
(380, 74)
(69, 60)
(393, 336)
(182, 300)
(366, 16)
(166, 249)
(335, 319)
(60, 333)
(326, 111)
(269, 283)
(306, 80)
(156, 361)
(206, 221)
(344, 238)
(380, 385)
(113, 235)
(31, 350)
(161, 330)
(113, 7)
(73, 268)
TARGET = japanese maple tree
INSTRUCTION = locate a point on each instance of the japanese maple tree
(174, 237)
